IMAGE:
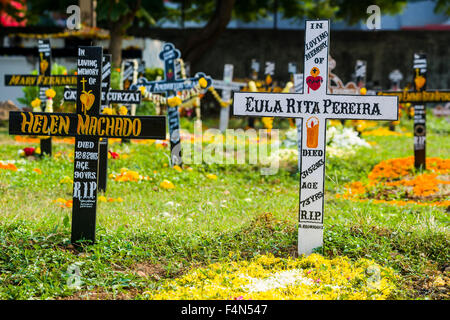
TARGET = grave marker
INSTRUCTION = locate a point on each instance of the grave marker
(88, 126)
(360, 73)
(44, 80)
(395, 77)
(226, 85)
(103, 142)
(314, 107)
(418, 97)
(45, 68)
(169, 86)
(420, 84)
(254, 69)
(298, 88)
(292, 69)
(109, 96)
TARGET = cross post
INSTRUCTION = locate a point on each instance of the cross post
(170, 85)
(314, 106)
(87, 126)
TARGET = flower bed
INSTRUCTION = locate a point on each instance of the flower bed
(395, 181)
(267, 277)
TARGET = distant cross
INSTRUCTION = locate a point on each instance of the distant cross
(226, 85)
(360, 73)
(44, 80)
(45, 68)
(292, 70)
(420, 84)
(314, 107)
(88, 126)
(395, 77)
(254, 69)
(298, 88)
(103, 142)
(170, 85)
(418, 97)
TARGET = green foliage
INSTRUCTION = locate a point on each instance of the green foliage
(115, 79)
(147, 13)
(167, 232)
(152, 73)
(146, 108)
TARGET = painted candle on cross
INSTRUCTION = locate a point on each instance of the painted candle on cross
(313, 107)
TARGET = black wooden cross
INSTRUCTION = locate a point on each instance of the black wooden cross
(88, 126)
(169, 86)
(419, 96)
(44, 80)
(108, 96)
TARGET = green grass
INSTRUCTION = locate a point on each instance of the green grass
(156, 234)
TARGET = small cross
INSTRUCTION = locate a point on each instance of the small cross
(314, 108)
(226, 85)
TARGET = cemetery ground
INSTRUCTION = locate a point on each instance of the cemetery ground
(153, 237)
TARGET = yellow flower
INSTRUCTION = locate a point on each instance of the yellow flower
(142, 90)
(107, 111)
(266, 277)
(123, 111)
(202, 82)
(177, 168)
(50, 93)
(38, 150)
(119, 199)
(211, 176)
(37, 170)
(363, 91)
(102, 198)
(66, 179)
(36, 103)
(166, 184)
(174, 101)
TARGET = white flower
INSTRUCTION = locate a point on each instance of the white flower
(278, 280)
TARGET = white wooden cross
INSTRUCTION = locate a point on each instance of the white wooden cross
(226, 85)
(314, 106)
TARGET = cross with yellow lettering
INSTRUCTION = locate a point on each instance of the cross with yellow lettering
(88, 126)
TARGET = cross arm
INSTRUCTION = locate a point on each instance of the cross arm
(294, 105)
(419, 96)
(40, 80)
(72, 124)
(114, 96)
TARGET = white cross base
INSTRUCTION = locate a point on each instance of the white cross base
(313, 107)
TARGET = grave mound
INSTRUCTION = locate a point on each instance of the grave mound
(5, 108)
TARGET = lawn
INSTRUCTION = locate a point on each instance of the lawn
(215, 213)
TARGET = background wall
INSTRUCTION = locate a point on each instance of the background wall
(384, 51)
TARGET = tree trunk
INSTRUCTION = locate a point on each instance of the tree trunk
(199, 43)
(115, 46)
(117, 30)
